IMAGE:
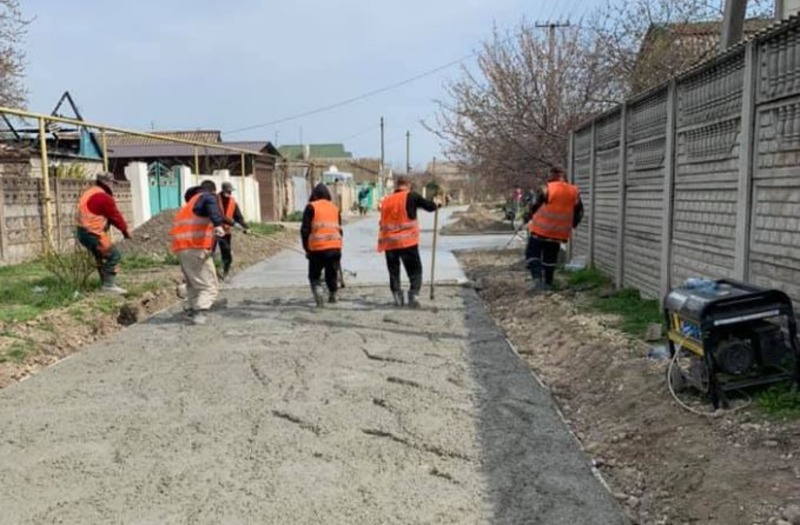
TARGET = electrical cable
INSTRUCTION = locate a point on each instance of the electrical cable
(672, 363)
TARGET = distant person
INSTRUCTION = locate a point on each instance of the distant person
(194, 230)
(552, 215)
(231, 215)
(96, 212)
(321, 233)
(363, 200)
(399, 239)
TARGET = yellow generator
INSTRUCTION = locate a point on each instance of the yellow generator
(726, 335)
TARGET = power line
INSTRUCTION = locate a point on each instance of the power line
(357, 98)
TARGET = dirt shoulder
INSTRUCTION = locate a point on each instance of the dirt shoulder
(36, 339)
(664, 464)
(478, 219)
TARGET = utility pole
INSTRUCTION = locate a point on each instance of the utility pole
(383, 152)
(732, 23)
(551, 64)
(408, 153)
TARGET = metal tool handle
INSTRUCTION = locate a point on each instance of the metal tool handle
(433, 254)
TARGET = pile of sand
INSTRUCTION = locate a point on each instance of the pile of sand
(151, 239)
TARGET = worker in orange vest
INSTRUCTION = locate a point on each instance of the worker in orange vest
(552, 216)
(96, 212)
(195, 229)
(399, 238)
(232, 215)
(321, 232)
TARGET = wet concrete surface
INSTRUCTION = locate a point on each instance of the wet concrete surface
(275, 412)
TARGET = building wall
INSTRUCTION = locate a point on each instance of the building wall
(709, 179)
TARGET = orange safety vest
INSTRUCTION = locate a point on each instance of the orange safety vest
(228, 212)
(326, 233)
(397, 230)
(190, 231)
(96, 224)
(554, 219)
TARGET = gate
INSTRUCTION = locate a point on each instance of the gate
(165, 188)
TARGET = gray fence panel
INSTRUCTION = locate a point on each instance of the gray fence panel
(707, 171)
(644, 193)
(582, 162)
(606, 197)
(774, 257)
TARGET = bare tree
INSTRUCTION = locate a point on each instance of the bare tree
(511, 118)
(13, 27)
(646, 42)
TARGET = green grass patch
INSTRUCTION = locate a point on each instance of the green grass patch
(587, 279)
(267, 229)
(295, 216)
(105, 304)
(780, 401)
(139, 262)
(18, 351)
(634, 312)
(138, 290)
(28, 289)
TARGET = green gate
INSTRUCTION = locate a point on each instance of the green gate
(165, 188)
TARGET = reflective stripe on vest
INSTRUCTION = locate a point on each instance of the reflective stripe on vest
(397, 230)
(190, 231)
(93, 223)
(325, 229)
(554, 219)
(229, 211)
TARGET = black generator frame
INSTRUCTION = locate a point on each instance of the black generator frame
(719, 314)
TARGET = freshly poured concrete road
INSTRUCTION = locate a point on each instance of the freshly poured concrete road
(277, 413)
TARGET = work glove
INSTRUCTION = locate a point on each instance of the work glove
(219, 231)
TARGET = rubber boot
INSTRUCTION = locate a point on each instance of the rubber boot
(413, 302)
(399, 299)
(332, 298)
(110, 285)
(316, 290)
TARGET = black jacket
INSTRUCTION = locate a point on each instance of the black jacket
(416, 201)
(320, 193)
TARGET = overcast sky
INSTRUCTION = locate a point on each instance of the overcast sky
(232, 64)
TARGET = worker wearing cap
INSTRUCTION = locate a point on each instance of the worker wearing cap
(555, 212)
(194, 230)
(231, 215)
(399, 239)
(321, 232)
(96, 212)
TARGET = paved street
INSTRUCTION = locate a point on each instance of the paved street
(278, 413)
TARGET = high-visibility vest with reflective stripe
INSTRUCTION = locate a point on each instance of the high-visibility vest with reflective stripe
(326, 233)
(190, 231)
(228, 212)
(554, 219)
(93, 223)
(397, 230)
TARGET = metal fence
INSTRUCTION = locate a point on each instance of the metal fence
(700, 176)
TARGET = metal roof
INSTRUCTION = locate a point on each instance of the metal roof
(182, 150)
(120, 139)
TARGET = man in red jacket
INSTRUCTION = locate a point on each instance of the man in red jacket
(95, 214)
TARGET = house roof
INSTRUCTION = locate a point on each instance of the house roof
(127, 151)
(316, 151)
(119, 139)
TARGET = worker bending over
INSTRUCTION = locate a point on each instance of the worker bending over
(194, 229)
(232, 215)
(96, 212)
(321, 233)
(555, 212)
(399, 238)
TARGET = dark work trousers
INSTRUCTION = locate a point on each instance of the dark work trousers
(412, 263)
(225, 249)
(542, 255)
(107, 261)
(329, 261)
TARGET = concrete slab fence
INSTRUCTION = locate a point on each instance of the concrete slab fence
(700, 176)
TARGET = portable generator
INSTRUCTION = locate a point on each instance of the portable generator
(730, 335)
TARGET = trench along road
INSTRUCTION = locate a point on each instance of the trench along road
(276, 413)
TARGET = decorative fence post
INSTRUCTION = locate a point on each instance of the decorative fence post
(622, 169)
(669, 184)
(746, 157)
